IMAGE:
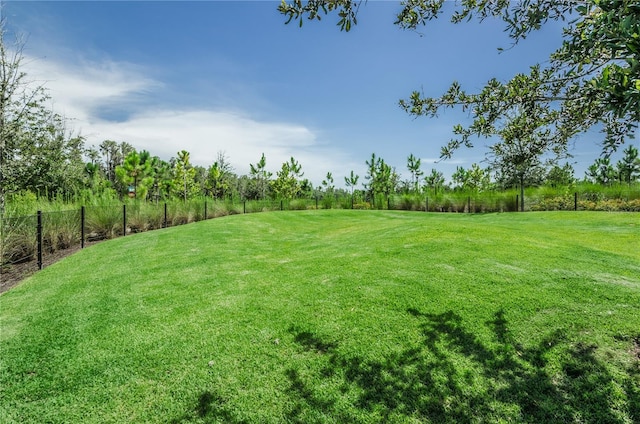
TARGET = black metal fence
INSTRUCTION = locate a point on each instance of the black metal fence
(35, 239)
(39, 239)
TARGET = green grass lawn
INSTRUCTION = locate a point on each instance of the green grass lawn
(334, 316)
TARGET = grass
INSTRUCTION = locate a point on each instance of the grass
(334, 316)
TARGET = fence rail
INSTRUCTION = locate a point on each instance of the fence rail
(30, 239)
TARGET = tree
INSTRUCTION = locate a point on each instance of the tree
(92, 174)
(184, 184)
(381, 177)
(560, 176)
(525, 138)
(218, 177)
(601, 172)
(37, 153)
(351, 181)
(15, 95)
(124, 149)
(593, 78)
(136, 173)
(460, 177)
(473, 179)
(478, 179)
(629, 166)
(413, 165)
(285, 185)
(162, 175)
(93, 155)
(110, 150)
(295, 168)
(372, 169)
(217, 183)
(259, 173)
(434, 181)
(305, 189)
(328, 185)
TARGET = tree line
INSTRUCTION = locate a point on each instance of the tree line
(39, 154)
(118, 169)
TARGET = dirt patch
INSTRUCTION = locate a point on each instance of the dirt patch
(12, 275)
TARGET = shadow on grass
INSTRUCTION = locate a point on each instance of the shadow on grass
(210, 408)
(311, 342)
(454, 377)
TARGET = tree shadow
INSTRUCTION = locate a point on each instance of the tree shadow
(311, 342)
(209, 408)
(453, 376)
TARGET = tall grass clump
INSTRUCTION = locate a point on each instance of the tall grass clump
(154, 214)
(179, 213)
(144, 216)
(103, 222)
(218, 208)
(103, 217)
(61, 229)
(409, 202)
(18, 229)
(327, 202)
(299, 204)
(17, 239)
(346, 202)
(260, 205)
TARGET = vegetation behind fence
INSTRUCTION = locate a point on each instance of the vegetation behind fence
(26, 236)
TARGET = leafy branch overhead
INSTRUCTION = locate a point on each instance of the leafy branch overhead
(592, 79)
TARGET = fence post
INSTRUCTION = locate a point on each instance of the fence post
(575, 201)
(39, 239)
(124, 220)
(388, 204)
(316, 202)
(205, 210)
(281, 205)
(82, 227)
(426, 208)
(517, 203)
(244, 206)
(165, 216)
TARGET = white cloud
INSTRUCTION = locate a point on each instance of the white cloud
(79, 90)
(204, 133)
(84, 91)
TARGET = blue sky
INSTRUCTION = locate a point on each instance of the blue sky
(231, 76)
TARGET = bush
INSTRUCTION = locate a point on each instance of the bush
(17, 239)
(328, 202)
(559, 203)
(103, 222)
(61, 230)
(411, 202)
(300, 205)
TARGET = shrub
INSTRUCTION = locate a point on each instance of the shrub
(297, 205)
(362, 205)
(137, 219)
(410, 202)
(17, 239)
(61, 230)
(328, 202)
(103, 222)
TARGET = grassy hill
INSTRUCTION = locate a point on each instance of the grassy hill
(334, 316)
